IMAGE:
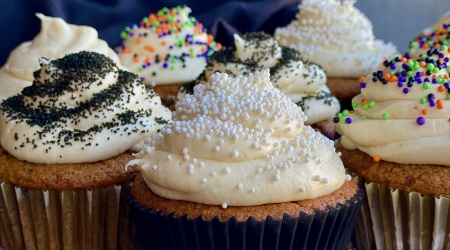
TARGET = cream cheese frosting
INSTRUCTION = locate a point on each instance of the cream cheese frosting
(169, 47)
(337, 36)
(55, 39)
(239, 142)
(80, 108)
(402, 114)
(301, 80)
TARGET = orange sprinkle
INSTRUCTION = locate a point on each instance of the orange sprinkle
(424, 111)
(163, 43)
(448, 50)
(136, 59)
(387, 76)
(351, 111)
(362, 79)
(404, 60)
(424, 73)
(147, 59)
(376, 158)
(127, 50)
(441, 88)
(364, 101)
(425, 46)
(210, 38)
(437, 45)
(152, 17)
(203, 50)
(393, 79)
(218, 46)
(434, 76)
(138, 40)
(422, 64)
(160, 57)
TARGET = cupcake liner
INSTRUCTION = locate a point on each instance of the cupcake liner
(68, 219)
(330, 229)
(395, 219)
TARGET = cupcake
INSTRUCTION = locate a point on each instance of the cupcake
(55, 39)
(239, 169)
(64, 144)
(396, 141)
(166, 49)
(304, 82)
(337, 36)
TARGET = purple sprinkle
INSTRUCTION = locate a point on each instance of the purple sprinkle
(420, 120)
(426, 79)
(405, 90)
(144, 66)
(393, 66)
(446, 85)
(418, 74)
(441, 55)
(131, 34)
(432, 103)
(403, 73)
(400, 84)
(142, 78)
(149, 64)
(348, 120)
(165, 65)
(419, 80)
(444, 65)
(362, 85)
(434, 80)
(171, 47)
(404, 65)
(446, 59)
(407, 55)
(401, 79)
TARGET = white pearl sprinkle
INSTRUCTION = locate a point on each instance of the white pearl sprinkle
(186, 157)
(234, 154)
(239, 185)
(224, 205)
(276, 177)
(252, 190)
(185, 151)
(207, 137)
(302, 189)
(325, 180)
(169, 157)
(316, 178)
(348, 177)
(203, 180)
(190, 166)
(339, 153)
(216, 148)
(259, 170)
(213, 173)
(155, 167)
(191, 171)
(226, 170)
(201, 164)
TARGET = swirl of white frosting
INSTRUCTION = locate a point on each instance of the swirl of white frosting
(302, 81)
(169, 47)
(81, 108)
(55, 39)
(402, 118)
(240, 142)
(336, 36)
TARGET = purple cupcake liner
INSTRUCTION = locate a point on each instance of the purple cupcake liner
(330, 229)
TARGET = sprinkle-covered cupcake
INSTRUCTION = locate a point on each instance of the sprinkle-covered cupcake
(239, 168)
(337, 36)
(397, 141)
(55, 40)
(304, 82)
(166, 49)
(64, 143)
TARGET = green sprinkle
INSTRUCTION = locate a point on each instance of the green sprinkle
(210, 52)
(410, 63)
(426, 85)
(416, 67)
(444, 48)
(354, 104)
(423, 56)
(423, 100)
(385, 116)
(366, 106)
(172, 67)
(123, 35)
(440, 80)
(430, 66)
(392, 73)
(410, 73)
(345, 112)
(372, 104)
(448, 96)
(363, 117)
(339, 115)
(448, 69)
(145, 20)
(141, 69)
(435, 70)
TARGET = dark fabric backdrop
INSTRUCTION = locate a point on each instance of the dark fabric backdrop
(222, 18)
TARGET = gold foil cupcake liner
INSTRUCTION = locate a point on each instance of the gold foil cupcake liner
(395, 219)
(68, 219)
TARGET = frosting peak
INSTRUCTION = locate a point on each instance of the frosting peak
(239, 141)
(80, 108)
(55, 39)
(337, 36)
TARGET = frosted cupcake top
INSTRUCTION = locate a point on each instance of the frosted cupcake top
(402, 114)
(168, 47)
(81, 108)
(239, 142)
(435, 38)
(302, 81)
(337, 36)
(55, 39)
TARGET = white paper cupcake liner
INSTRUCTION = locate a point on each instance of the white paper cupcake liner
(395, 219)
(69, 219)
